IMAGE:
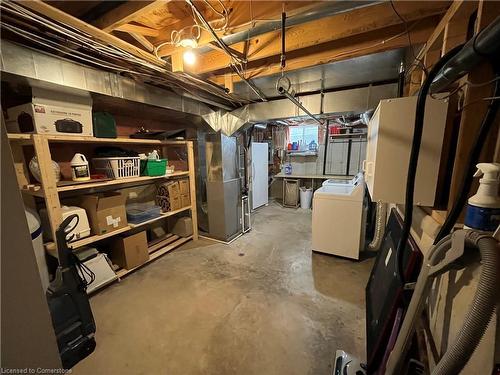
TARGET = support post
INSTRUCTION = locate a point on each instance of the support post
(192, 188)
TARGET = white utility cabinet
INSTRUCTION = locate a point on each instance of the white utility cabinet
(390, 134)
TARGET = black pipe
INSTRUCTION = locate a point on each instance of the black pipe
(283, 56)
(485, 44)
(482, 135)
(412, 165)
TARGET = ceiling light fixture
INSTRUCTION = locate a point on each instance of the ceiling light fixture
(189, 57)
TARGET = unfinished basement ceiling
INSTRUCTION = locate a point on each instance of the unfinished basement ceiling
(377, 67)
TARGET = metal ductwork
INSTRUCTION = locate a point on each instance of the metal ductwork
(325, 10)
(484, 45)
(36, 68)
(356, 100)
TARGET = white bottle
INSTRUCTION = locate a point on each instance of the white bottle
(80, 168)
(483, 208)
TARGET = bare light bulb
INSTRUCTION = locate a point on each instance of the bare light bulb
(189, 57)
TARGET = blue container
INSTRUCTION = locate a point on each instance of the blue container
(140, 212)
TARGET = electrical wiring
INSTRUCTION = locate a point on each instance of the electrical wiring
(409, 38)
(466, 83)
(56, 36)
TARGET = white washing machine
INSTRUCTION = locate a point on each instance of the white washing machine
(338, 218)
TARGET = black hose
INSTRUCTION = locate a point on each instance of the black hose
(486, 125)
(412, 165)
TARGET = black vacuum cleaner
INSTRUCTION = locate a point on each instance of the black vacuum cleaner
(68, 302)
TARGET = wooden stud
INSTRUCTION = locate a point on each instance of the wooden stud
(143, 41)
(457, 9)
(125, 13)
(474, 108)
(142, 30)
(192, 189)
(177, 61)
(49, 184)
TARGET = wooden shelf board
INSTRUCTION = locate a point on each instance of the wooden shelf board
(91, 185)
(156, 254)
(86, 139)
(91, 239)
(120, 181)
(163, 216)
(19, 137)
(98, 237)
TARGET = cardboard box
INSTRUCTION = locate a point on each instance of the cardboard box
(175, 203)
(106, 211)
(185, 200)
(52, 112)
(173, 189)
(129, 252)
(182, 226)
(184, 186)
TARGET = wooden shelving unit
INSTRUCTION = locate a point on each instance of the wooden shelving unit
(49, 191)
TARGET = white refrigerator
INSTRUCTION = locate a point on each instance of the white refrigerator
(260, 165)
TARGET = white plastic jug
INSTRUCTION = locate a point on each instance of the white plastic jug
(80, 168)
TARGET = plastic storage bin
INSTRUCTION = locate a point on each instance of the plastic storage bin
(151, 167)
(118, 167)
(140, 212)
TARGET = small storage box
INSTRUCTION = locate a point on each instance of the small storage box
(155, 167)
(140, 212)
(132, 251)
(118, 167)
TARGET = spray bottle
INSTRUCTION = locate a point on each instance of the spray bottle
(483, 208)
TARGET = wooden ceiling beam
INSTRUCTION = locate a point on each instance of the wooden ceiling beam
(459, 9)
(386, 39)
(141, 39)
(242, 14)
(356, 22)
(142, 30)
(60, 16)
(125, 14)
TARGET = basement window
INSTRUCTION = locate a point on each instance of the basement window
(304, 134)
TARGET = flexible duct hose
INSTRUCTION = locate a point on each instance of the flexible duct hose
(479, 315)
(380, 218)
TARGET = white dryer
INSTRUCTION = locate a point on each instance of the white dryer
(338, 219)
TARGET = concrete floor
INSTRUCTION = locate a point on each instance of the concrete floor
(262, 305)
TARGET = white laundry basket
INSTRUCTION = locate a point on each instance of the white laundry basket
(118, 167)
(305, 197)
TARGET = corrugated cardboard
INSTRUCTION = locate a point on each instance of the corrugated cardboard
(129, 252)
(175, 203)
(184, 186)
(106, 211)
(185, 200)
(173, 189)
(182, 226)
(48, 108)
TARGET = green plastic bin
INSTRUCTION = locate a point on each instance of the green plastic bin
(151, 168)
